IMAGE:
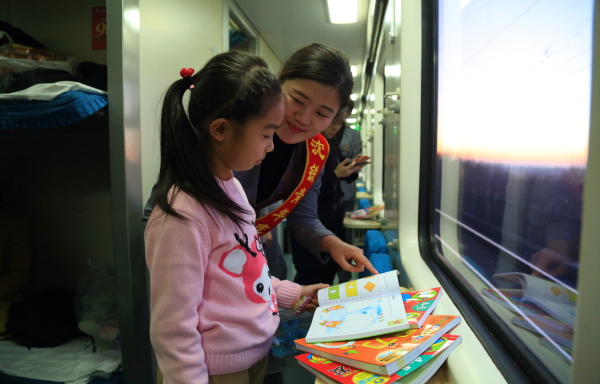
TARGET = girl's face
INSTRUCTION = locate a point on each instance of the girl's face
(310, 107)
(242, 150)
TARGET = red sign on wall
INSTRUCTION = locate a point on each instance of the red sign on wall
(98, 28)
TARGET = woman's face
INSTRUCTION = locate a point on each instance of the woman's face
(310, 107)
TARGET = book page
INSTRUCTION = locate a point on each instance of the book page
(384, 284)
(357, 319)
(537, 288)
(552, 297)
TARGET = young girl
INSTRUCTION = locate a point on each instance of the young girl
(214, 305)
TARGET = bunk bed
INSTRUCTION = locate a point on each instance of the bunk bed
(78, 361)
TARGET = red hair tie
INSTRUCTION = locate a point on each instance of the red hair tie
(186, 72)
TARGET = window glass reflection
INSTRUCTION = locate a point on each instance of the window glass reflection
(514, 82)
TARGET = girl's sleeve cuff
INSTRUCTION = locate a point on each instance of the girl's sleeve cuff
(288, 293)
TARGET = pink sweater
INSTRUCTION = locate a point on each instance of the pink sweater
(213, 302)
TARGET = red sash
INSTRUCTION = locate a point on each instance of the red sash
(317, 149)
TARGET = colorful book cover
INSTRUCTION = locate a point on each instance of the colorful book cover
(419, 370)
(444, 344)
(384, 354)
(419, 304)
(332, 373)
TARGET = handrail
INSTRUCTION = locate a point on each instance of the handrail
(379, 9)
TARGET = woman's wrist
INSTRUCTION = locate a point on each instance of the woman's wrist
(329, 242)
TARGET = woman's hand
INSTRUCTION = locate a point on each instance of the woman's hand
(344, 254)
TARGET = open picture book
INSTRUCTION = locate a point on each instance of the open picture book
(360, 308)
(553, 298)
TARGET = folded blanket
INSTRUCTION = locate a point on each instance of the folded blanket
(66, 108)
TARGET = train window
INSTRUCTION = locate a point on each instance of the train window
(513, 91)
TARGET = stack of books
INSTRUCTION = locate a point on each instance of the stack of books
(368, 331)
(545, 308)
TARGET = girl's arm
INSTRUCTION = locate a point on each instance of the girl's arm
(289, 293)
(174, 250)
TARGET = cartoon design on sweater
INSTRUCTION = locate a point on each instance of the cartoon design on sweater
(249, 263)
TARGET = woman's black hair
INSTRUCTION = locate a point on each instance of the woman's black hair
(321, 63)
(234, 85)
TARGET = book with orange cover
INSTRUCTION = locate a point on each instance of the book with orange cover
(419, 304)
(418, 371)
(384, 354)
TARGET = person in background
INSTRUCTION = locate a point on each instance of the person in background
(350, 144)
(214, 306)
(330, 208)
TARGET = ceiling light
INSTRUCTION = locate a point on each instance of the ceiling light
(354, 70)
(343, 11)
(353, 96)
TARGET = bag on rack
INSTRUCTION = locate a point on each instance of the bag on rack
(17, 58)
(44, 320)
(96, 308)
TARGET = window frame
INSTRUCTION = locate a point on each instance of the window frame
(512, 357)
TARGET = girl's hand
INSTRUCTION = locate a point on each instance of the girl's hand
(312, 290)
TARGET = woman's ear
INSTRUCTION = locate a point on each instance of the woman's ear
(218, 128)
